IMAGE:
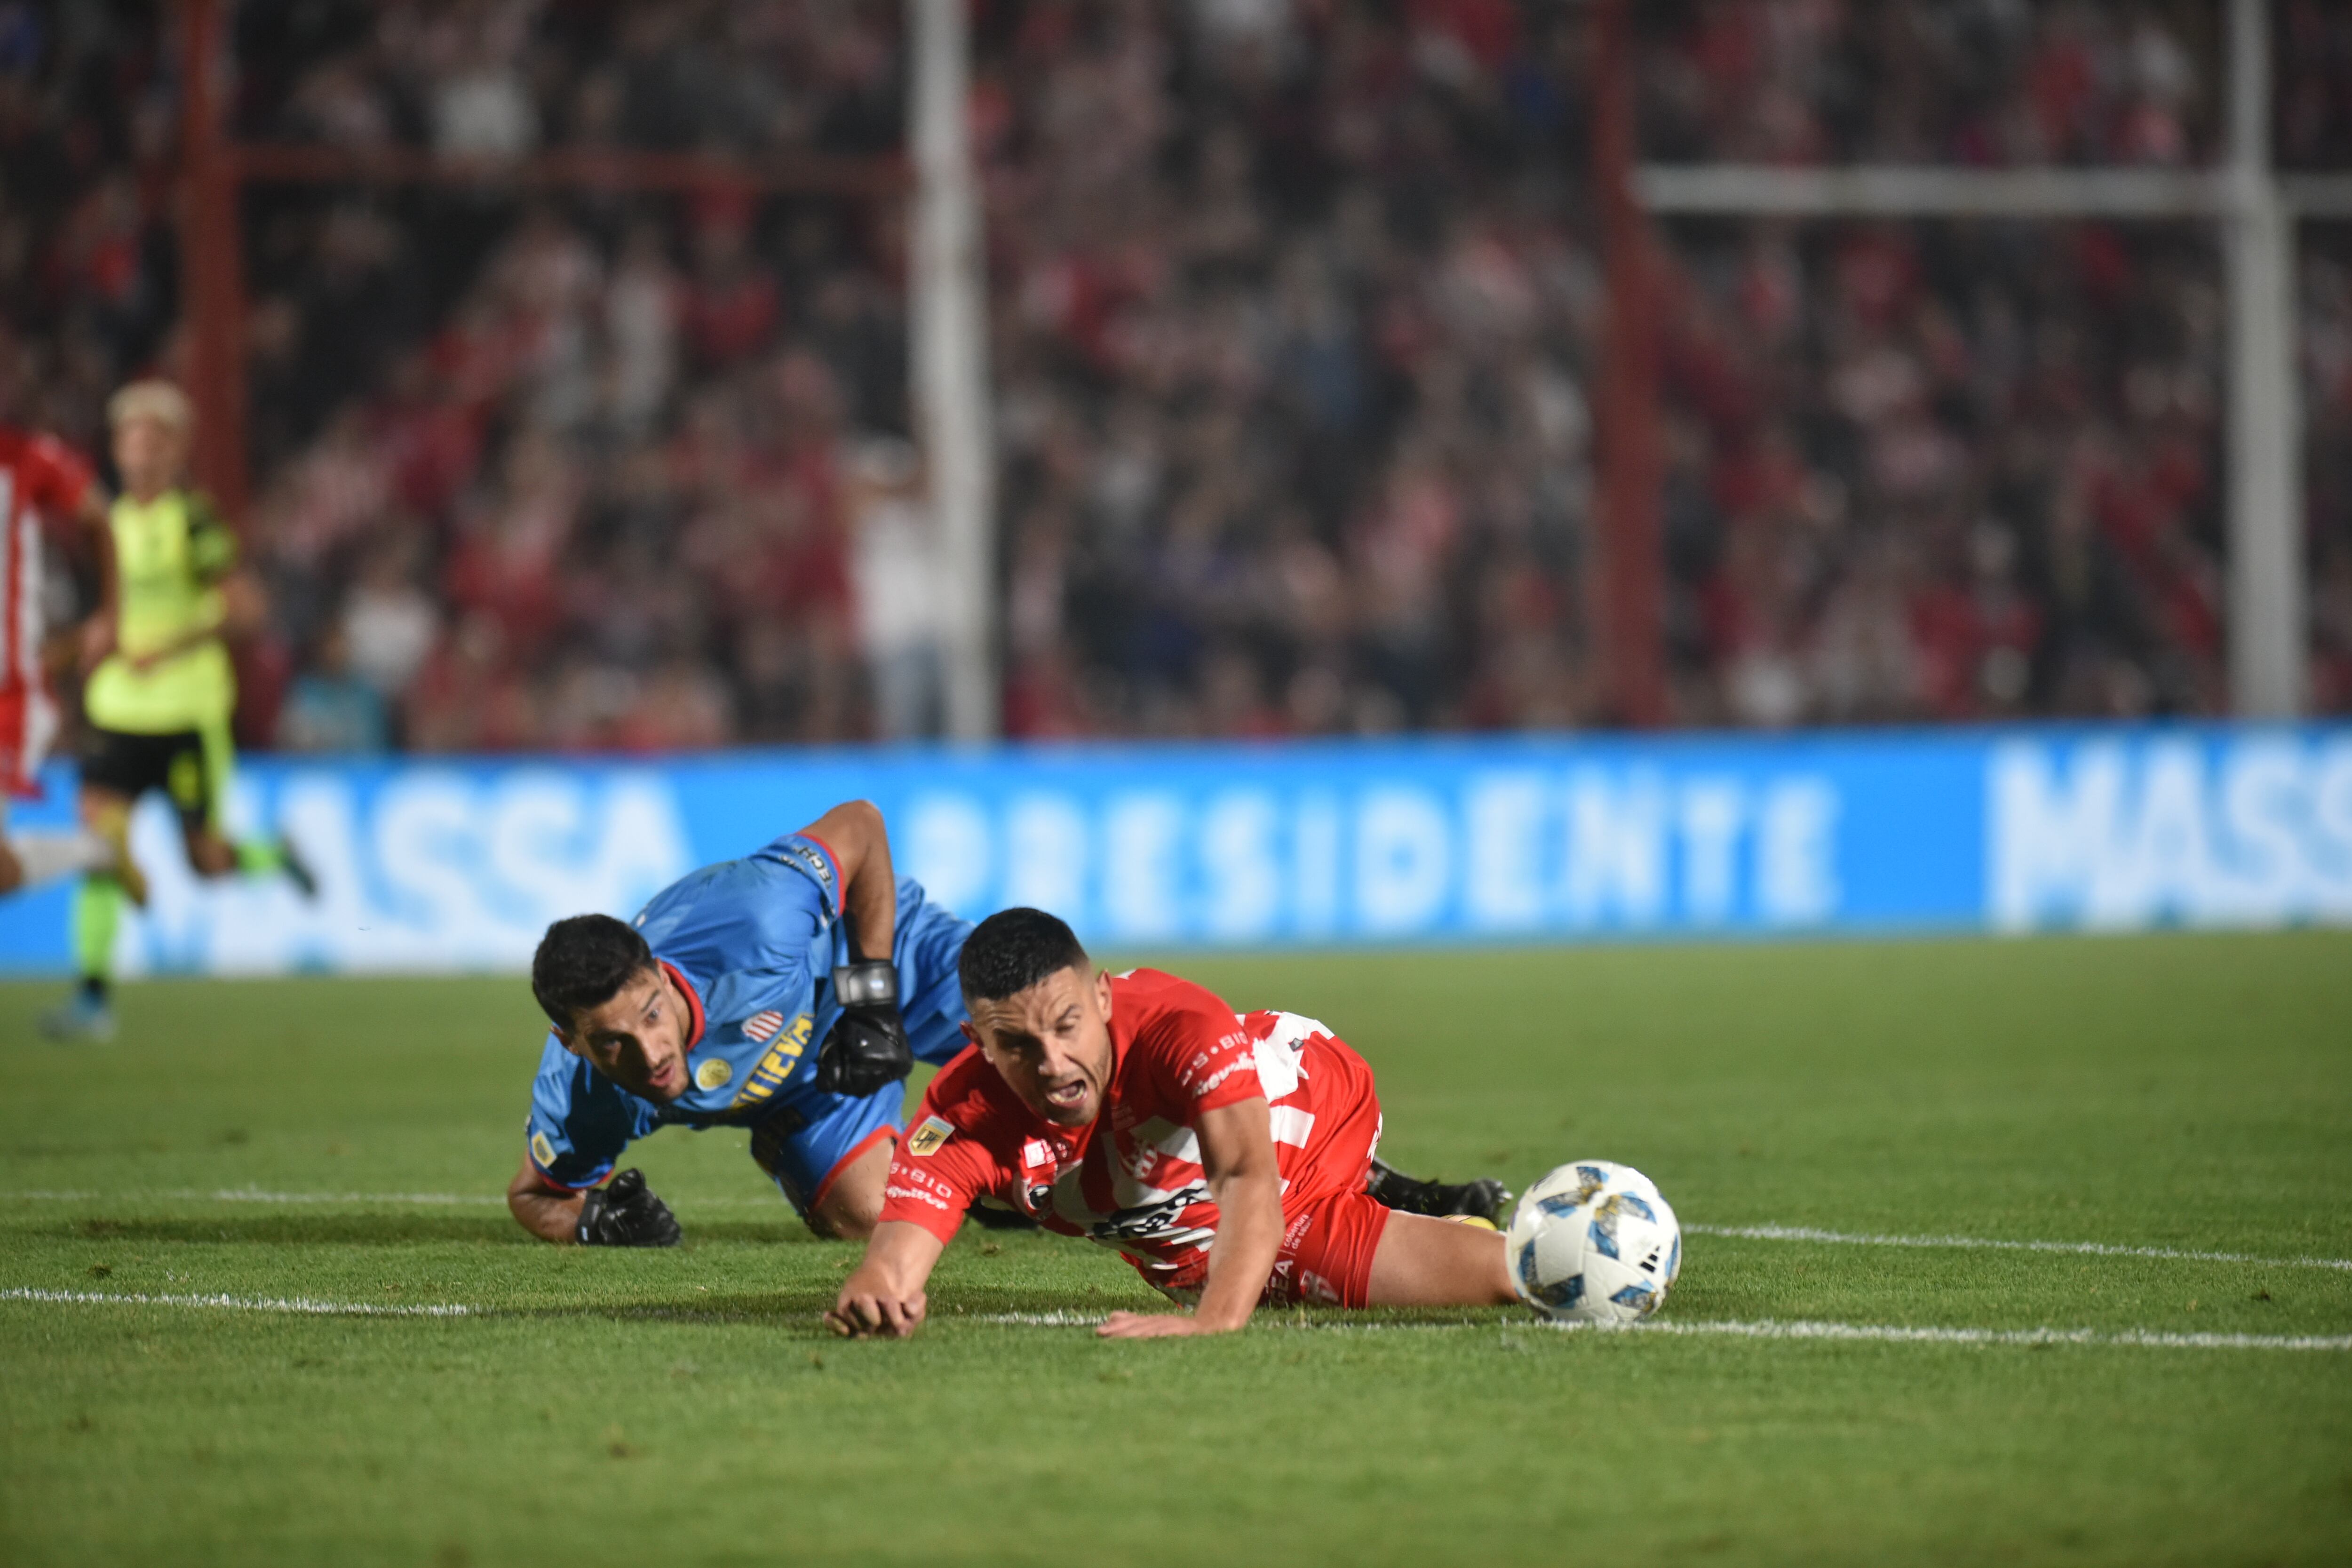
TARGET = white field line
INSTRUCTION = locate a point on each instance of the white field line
(2091, 1248)
(299, 1305)
(1745, 1232)
(1772, 1330)
(1775, 1330)
(302, 1306)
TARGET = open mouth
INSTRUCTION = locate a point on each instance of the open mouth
(1068, 1096)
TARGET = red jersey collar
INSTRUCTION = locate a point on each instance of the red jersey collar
(693, 1002)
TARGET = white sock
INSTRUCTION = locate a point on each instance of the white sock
(45, 857)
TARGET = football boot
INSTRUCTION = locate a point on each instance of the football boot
(1485, 1199)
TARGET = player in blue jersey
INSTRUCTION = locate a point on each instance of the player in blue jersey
(703, 1012)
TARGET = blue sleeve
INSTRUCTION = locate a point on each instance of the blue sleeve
(580, 1119)
(813, 860)
(769, 910)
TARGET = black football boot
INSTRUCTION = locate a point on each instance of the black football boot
(1485, 1199)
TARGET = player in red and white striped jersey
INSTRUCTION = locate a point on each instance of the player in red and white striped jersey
(1227, 1157)
(44, 484)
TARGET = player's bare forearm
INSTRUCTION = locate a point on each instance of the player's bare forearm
(198, 633)
(1245, 1177)
(884, 1296)
(869, 887)
(243, 610)
(244, 606)
(543, 1208)
(1249, 1234)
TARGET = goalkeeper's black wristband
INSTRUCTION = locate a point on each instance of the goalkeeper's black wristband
(868, 1050)
(874, 982)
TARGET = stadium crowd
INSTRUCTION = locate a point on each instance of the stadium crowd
(1296, 309)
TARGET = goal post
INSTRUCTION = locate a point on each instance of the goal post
(2257, 212)
(949, 305)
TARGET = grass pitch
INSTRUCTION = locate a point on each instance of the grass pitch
(607, 1407)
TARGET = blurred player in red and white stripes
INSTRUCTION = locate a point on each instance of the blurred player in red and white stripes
(1229, 1157)
(46, 487)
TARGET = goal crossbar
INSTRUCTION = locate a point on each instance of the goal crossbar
(1902, 190)
(2254, 207)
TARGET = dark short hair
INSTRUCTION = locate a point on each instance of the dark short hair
(1013, 949)
(581, 962)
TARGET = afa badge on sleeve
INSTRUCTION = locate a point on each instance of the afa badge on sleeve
(925, 1140)
(543, 1149)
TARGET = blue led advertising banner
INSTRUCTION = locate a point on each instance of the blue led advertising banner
(429, 865)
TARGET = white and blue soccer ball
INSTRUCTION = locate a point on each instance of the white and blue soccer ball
(1595, 1242)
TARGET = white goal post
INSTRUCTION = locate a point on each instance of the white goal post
(953, 417)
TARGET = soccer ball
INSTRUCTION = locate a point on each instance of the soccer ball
(1594, 1243)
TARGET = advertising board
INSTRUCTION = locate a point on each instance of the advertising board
(439, 866)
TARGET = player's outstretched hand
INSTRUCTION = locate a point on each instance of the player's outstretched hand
(1151, 1326)
(624, 1212)
(864, 1312)
(868, 1050)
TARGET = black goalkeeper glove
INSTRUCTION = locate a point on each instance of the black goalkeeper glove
(625, 1212)
(868, 1050)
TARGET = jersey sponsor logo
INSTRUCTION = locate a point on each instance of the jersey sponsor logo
(914, 1195)
(1224, 1072)
(713, 1073)
(1151, 1221)
(926, 1139)
(915, 1175)
(776, 1066)
(543, 1149)
(761, 1028)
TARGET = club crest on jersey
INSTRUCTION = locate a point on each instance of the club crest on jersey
(761, 1028)
(926, 1139)
(713, 1073)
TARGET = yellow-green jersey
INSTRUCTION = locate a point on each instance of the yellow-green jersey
(171, 555)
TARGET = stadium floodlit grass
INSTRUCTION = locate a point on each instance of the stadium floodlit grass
(2184, 1092)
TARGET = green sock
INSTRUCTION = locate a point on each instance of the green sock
(96, 910)
(260, 857)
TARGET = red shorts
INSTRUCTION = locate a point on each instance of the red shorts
(1327, 1238)
(1327, 1253)
(1326, 1256)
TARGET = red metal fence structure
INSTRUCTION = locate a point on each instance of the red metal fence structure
(217, 168)
(1628, 590)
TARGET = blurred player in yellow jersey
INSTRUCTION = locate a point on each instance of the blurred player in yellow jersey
(159, 702)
